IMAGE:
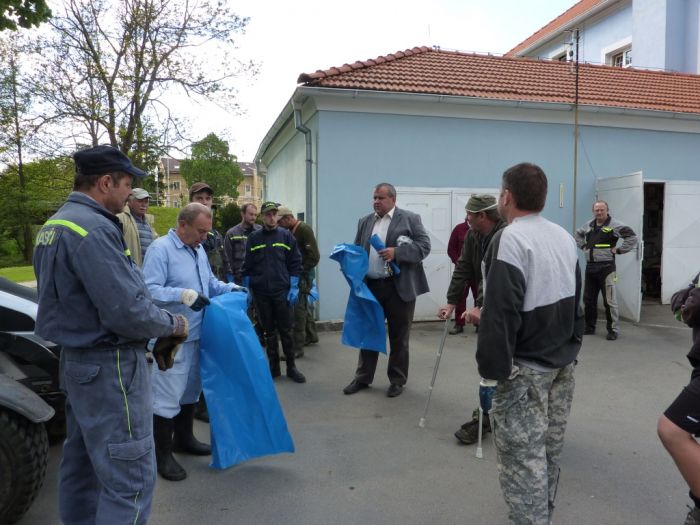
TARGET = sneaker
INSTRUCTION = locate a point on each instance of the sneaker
(612, 336)
(693, 517)
(457, 329)
(468, 434)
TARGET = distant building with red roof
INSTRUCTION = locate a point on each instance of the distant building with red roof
(648, 34)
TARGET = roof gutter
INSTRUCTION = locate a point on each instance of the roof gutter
(299, 125)
(360, 94)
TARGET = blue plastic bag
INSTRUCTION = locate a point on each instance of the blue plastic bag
(245, 415)
(363, 326)
(378, 245)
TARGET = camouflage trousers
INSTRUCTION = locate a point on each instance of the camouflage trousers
(528, 418)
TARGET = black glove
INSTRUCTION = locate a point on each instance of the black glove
(165, 348)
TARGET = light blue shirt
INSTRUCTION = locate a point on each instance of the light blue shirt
(170, 268)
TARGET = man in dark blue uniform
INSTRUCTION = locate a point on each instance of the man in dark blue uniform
(93, 301)
(271, 272)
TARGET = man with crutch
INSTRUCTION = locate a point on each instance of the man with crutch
(484, 222)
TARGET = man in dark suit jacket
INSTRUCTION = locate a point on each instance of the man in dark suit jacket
(407, 244)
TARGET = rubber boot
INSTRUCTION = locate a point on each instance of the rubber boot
(184, 437)
(273, 357)
(292, 371)
(201, 411)
(168, 467)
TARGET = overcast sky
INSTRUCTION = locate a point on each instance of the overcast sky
(288, 38)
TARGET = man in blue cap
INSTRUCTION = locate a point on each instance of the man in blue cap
(93, 301)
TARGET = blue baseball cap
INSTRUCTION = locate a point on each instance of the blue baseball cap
(104, 159)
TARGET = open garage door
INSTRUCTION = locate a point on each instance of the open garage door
(680, 258)
(625, 198)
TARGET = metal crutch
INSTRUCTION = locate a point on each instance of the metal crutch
(479, 451)
(421, 423)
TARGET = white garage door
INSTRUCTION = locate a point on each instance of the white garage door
(440, 210)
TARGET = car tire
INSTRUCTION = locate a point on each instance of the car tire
(24, 449)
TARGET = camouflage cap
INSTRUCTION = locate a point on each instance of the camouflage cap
(480, 202)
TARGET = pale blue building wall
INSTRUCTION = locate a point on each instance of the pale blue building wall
(286, 176)
(664, 35)
(595, 36)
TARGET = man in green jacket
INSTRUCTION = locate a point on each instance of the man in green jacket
(304, 323)
(484, 222)
(139, 232)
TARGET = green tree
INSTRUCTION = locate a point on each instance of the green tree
(227, 217)
(23, 13)
(107, 67)
(212, 163)
(14, 131)
(47, 183)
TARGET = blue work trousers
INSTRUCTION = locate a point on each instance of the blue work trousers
(108, 471)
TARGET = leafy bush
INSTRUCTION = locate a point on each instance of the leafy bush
(165, 218)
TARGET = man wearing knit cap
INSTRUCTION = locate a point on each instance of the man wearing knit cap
(484, 222)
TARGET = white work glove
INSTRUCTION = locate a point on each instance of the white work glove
(192, 299)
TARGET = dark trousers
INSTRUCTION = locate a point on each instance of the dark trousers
(462, 305)
(275, 316)
(596, 282)
(300, 315)
(399, 316)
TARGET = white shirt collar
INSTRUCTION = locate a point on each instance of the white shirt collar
(389, 214)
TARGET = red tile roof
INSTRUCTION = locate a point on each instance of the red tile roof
(428, 71)
(559, 22)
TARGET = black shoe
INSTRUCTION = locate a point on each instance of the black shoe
(299, 353)
(310, 342)
(589, 331)
(457, 329)
(468, 434)
(394, 390)
(166, 464)
(354, 387)
(612, 336)
(294, 374)
(184, 440)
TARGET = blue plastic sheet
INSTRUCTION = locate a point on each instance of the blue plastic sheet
(363, 325)
(245, 415)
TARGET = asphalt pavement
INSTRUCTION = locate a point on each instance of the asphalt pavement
(363, 459)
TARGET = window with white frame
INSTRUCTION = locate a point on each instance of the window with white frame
(620, 58)
(248, 189)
